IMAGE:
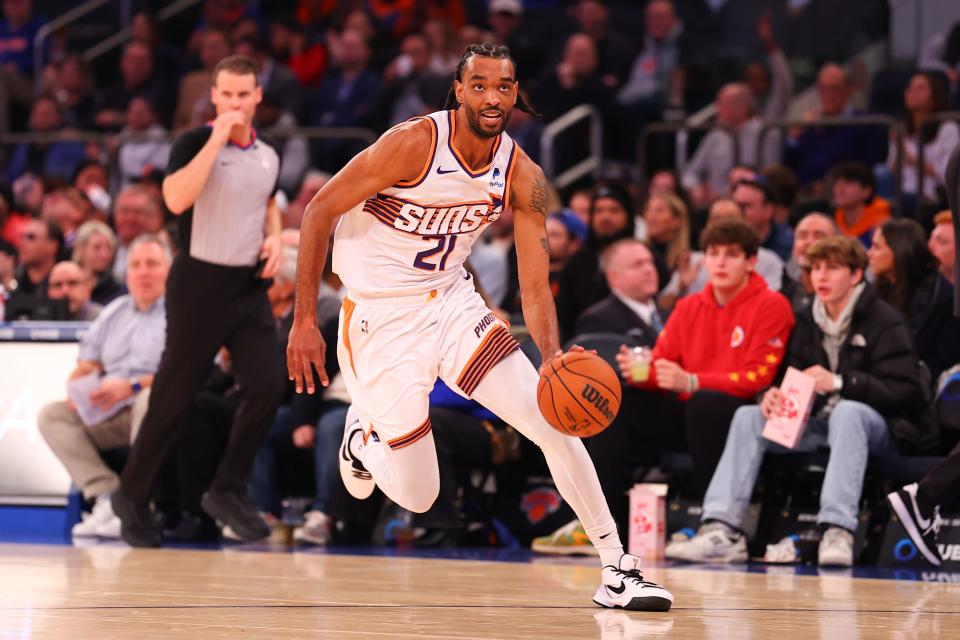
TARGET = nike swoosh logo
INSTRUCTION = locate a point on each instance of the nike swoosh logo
(441, 171)
(618, 590)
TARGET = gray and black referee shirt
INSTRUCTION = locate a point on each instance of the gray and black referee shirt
(225, 224)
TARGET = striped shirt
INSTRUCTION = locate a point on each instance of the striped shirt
(225, 226)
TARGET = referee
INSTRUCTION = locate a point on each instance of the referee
(221, 181)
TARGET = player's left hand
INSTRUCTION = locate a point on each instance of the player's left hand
(271, 251)
(110, 392)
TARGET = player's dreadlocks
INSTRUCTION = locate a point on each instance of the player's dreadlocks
(485, 50)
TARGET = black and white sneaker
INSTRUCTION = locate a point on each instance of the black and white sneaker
(358, 481)
(923, 531)
(623, 587)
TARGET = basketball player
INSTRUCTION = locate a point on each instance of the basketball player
(415, 203)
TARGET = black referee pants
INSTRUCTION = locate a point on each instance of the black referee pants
(209, 306)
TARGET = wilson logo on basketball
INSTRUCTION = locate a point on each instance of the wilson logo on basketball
(597, 399)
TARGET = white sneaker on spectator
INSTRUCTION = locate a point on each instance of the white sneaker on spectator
(100, 516)
(315, 529)
(714, 542)
(836, 548)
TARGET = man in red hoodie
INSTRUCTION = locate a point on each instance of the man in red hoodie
(721, 346)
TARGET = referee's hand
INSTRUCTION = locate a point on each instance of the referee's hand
(306, 351)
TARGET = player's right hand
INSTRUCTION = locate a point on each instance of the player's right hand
(224, 124)
(306, 351)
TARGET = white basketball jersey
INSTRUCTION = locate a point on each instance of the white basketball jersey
(415, 236)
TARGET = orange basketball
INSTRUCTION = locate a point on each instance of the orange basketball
(579, 395)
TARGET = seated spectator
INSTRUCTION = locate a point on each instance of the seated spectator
(631, 308)
(771, 85)
(13, 221)
(812, 227)
(565, 235)
(143, 141)
(137, 77)
(168, 57)
(90, 178)
(690, 276)
(272, 118)
(93, 251)
(572, 82)
(783, 192)
(859, 209)
(943, 245)
(614, 50)
(18, 31)
(68, 209)
(344, 99)
(581, 282)
(122, 348)
(410, 88)
(906, 276)
(700, 373)
(75, 91)
(48, 159)
(279, 83)
(667, 226)
(71, 282)
(444, 51)
(652, 82)
(812, 151)
(867, 396)
(526, 130)
(755, 200)
(312, 182)
(40, 246)
(705, 175)
(506, 23)
(925, 96)
(193, 101)
(131, 209)
(291, 46)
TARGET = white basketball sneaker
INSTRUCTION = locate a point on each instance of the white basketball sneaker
(623, 587)
(358, 481)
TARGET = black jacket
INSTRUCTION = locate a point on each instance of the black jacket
(936, 332)
(611, 315)
(879, 368)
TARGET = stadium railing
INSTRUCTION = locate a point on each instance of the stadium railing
(681, 132)
(589, 165)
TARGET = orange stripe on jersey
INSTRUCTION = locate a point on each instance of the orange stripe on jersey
(348, 308)
(406, 184)
(463, 163)
(495, 347)
(410, 438)
(511, 165)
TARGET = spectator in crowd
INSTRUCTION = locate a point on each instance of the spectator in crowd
(93, 251)
(667, 226)
(40, 246)
(90, 178)
(926, 95)
(291, 46)
(812, 151)
(312, 182)
(444, 52)
(706, 172)
(344, 99)
(75, 91)
(783, 191)
(700, 372)
(579, 203)
(859, 209)
(71, 282)
(68, 209)
(506, 22)
(943, 245)
(49, 159)
(573, 81)
(581, 282)
(193, 101)
(526, 130)
(18, 30)
(906, 276)
(690, 276)
(294, 150)
(122, 348)
(131, 209)
(812, 227)
(137, 77)
(565, 235)
(771, 85)
(755, 200)
(614, 50)
(13, 222)
(653, 81)
(410, 87)
(867, 396)
(168, 57)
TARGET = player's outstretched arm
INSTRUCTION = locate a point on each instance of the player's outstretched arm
(399, 154)
(529, 200)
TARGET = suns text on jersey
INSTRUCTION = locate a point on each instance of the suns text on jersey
(456, 219)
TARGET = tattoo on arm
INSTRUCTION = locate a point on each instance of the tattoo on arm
(544, 245)
(538, 195)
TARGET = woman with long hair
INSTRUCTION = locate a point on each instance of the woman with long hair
(906, 275)
(925, 96)
(667, 226)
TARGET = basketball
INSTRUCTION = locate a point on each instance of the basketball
(579, 395)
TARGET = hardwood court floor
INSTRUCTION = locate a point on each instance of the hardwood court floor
(54, 592)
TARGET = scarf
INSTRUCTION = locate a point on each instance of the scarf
(834, 333)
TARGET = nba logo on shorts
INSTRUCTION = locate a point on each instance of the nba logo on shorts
(495, 181)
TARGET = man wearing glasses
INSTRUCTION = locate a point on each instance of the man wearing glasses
(70, 282)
